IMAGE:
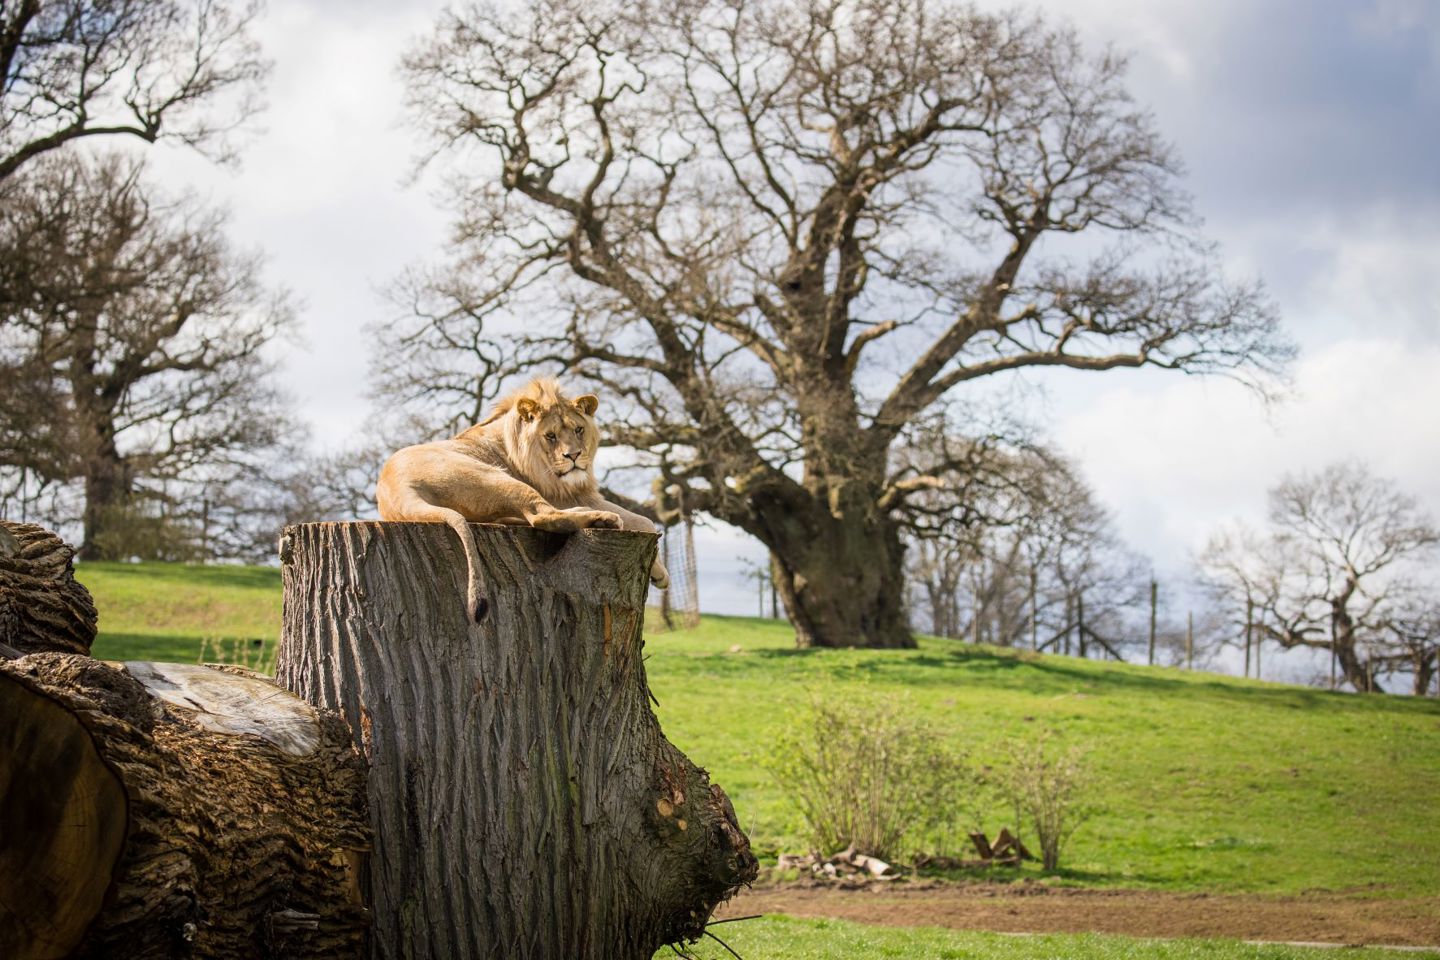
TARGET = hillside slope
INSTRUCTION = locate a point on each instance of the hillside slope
(1202, 782)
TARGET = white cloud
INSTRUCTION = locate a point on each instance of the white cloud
(1175, 460)
(322, 191)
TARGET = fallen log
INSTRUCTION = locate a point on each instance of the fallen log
(524, 801)
(42, 605)
(167, 810)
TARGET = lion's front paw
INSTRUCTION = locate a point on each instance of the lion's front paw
(659, 575)
(600, 519)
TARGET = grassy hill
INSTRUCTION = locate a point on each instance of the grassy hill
(1202, 782)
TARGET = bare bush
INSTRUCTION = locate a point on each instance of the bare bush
(868, 773)
(1045, 785)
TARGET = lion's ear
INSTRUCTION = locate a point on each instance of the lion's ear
(587, 404)
(525, 408)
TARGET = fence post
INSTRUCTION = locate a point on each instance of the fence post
(1190, 640)
(1069, 610)
(1034, 616)
(1249, 614)
(1154, 591)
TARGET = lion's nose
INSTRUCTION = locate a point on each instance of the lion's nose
(573, 457)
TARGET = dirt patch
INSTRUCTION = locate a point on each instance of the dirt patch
(1034, 908)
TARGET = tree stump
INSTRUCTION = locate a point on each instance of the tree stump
(42, 605)
(523, 799)
(168, 810)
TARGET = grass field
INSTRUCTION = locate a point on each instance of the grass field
(163, 611)
(790, 938)
(1202, 782)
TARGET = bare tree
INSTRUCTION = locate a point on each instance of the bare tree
(1340, 570)
(75, 69)
(780, 234)
(1033, 558)
(139, 336)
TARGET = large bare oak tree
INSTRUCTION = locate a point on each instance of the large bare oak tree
(784, 234)
(132, 359)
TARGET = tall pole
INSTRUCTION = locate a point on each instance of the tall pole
(1190, 640)
(1034, 615)
(1249, 615)
(1080, 622)
(1154, 592)
(1069, 609)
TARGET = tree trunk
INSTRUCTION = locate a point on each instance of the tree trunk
(107, 484)
(524, 801)
(170, 810)
(842, 579)
(42, 606)
(1342, 632)
(1425, 662)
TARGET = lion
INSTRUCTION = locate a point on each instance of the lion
(530, 461)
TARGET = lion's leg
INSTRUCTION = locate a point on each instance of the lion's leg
(575, 518)
(487, 494)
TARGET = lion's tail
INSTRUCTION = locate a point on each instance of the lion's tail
(476, 606)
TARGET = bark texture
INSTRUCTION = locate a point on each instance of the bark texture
(166, 810)
(842, 579)
(524, 801)
(42, 605)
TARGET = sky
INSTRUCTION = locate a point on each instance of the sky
(1311, 136)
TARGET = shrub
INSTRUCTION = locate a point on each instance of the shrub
(868, 773)
(1045, 786)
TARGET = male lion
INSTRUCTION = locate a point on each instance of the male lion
(528, 462)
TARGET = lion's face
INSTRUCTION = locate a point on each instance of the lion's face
(555, 440)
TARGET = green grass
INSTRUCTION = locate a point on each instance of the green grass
(163, 611)
(789, 938)
(1202, 782)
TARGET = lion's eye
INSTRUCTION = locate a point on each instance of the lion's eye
(579, 431)
(550, 437)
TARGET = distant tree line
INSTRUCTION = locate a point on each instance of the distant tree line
(1345, 568)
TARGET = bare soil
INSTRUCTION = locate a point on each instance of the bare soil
(1321, 917)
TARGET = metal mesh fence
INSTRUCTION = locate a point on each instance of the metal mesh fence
(680, 602)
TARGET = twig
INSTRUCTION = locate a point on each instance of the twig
(723, 944)
(716, 923)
